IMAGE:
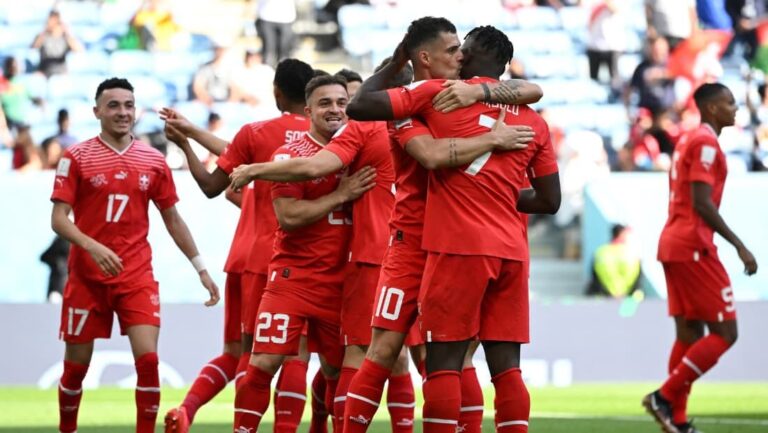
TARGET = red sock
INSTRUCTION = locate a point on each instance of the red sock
(330, 395)
(442, 401)
(291, 396)
(319, 422)
(512, 403)
(702, 356)
(401, 403)
(252, 399)
(70, 393)
(211, 380)
(364, 395)
(680, 405)
(242, 367)
(147, 392)
(340, 400)
(471, 417)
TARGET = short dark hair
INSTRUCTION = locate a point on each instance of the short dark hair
(213, 117)
(424, 30)
(707, 92)
(350, 75)
(62, 115)
(113, 83)
(323, 80)
(291, 76)
(402, 78)
(761, 90)
(616, 230)
(320, 73)
(493, 39)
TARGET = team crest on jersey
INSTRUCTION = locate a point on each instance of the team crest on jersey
(154, 299)
(403, 123)
(98, 180)
(143, 181)
(708, 154)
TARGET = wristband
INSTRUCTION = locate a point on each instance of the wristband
(197, 263)
(486, 92)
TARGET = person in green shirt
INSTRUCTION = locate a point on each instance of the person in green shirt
(615, 267)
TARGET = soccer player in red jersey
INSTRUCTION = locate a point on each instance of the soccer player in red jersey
(251, 247)
(699, 291)
(475, 277)
(108, 182)
(307, 268)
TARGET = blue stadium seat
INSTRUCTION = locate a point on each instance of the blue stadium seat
(90, 35)
(35, 83)
(538, 18)
(16, 36)
(88, 62)
(574, 19)
(166, 64)
(79, 12)
(73, 86)
(627, 65)
(28, 14)
(196, 112)
(360, 16)
(551, 66)
(118, 13)
(131, 62)
(541, 42)
(234, 113)
(149, 91)
(28, 58)
(573, 91)
(42, 130)
(360, 25)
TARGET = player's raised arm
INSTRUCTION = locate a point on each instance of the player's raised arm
(701, 192)
(179, 231)
(288, 170)
(458, 94)
(212, 184)
(109, 262)
(371, 101)
(212, 143)
(293, 213)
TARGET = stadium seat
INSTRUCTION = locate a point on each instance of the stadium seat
(551, 66)
(79, 12)
(234, 113)
(118, 12)
(627, 65)
(33, 13)
(16, 36)
(73, 86)
(131, 62)
(541, 42)
(165, 64)
(574, 19)
(362, 29)
(88, 62)
(90, 35)
(150, 92)
(538, 18)
(35, 83)
(42, 130)
(572, 91)
(196, 112)
(28, 58)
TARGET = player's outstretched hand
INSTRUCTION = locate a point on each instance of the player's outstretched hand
(109, 262)
(510, 137)
(240, 177)
(750, 264)
(174, 135)
(457, 94)
(213, 289)
(353, 186)
(175, 119)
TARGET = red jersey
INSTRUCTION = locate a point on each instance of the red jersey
(360, 144)
(410, 179)
(697, 158)
(254, 237)
(109, 192)
(471, 210)
(321, 247)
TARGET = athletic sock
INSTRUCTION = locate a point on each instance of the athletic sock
(147, 392)
(442, 401)
(340, 399)
(319, 422)
(212, 379)
(401, 403)
(70, 393)
(471, 417)
(330, 395)
(242, 367)
(512, 402)
(680, 405)
(701, 357)
(252, 399)
(363, 396)
(291, 396)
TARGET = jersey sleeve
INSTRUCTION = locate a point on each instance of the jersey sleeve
(67, 179)
(347, 141)
(286, 189)
(702, 159)
(237, 152)
(412, 99)
(544, 160)
(408, 128)
(164, 191)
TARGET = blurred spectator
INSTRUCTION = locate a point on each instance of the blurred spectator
(254, 81)
(15, 97)
(54, 42)
(607, 35)
(274, 25)
(6, 138)
(214, 81)
(52, 151)
(653, 146)
(354, 81)
(615, 266)
(64, 138)
(747, 16)
(156, 27)
(26, 157)
(651, 79)
(56, 256)
(515, 70)
(675, 20)
(713, 15)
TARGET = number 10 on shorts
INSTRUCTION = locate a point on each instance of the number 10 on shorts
(390, 303)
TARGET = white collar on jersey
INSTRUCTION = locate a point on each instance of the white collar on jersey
(315, 139)
(711, 129)
(119, 152)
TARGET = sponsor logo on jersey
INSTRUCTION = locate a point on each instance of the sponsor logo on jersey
(63, 168)
(121, 175)
(98, 180)
(143, 181)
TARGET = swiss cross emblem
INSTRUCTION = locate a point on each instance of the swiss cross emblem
(143, 181)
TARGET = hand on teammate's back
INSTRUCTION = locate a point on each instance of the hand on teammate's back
(750, 264)
(511, 137)
(457, 94)
(109, 262)
(213, 289)
(351, 187)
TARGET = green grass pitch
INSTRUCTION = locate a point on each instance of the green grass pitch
(584, 408)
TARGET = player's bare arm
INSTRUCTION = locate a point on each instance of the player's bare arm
(212, 143)
(109, 262)
(458, 94)
(701, 193)
(234, 197)
(294, 213)
(434, 153)
(179, 231)
(212, 184)
(289, 170)
(543, 198)
(371, 101)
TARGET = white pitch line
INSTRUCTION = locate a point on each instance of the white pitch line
(702, 420)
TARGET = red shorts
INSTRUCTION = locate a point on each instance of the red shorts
(414, 337)
(699, 290)
(88, 308)
(357, 303)
(252, 287)
(466, 296)
(232, 307)
(397, 293)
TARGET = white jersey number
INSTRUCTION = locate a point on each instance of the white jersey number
(481, 160)
(82, 314)
(390, 303)
(265, 322)
(113, 215)
(728, 298)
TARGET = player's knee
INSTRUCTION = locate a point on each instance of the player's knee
(266, 363)
(233, 348)
(383, 354)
